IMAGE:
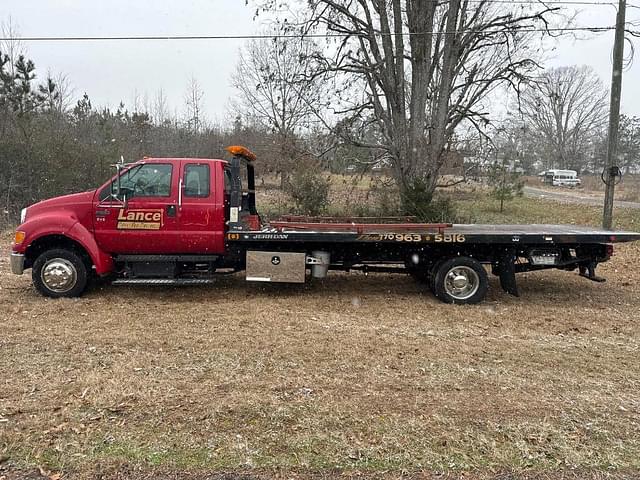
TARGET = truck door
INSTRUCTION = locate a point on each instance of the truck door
(201, 209)
(138, 213)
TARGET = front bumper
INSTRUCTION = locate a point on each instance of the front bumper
(17, 263)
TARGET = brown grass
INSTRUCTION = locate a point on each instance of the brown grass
(479, 208)
(356, 374)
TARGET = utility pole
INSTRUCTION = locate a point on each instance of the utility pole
(611, 170)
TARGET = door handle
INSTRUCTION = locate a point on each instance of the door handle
(171, 210)
(102, 213)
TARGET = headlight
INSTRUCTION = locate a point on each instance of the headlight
(23, 215)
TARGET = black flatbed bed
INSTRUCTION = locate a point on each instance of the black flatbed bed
(458, 233)
(452, 260)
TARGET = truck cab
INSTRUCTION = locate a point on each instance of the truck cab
(156, 218)
(162, 206)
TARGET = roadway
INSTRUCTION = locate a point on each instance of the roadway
(574, 197)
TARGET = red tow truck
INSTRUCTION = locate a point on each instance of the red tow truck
(184, 221)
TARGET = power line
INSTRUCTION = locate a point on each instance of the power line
(339, 35)
(593, 29)
(552, 2)
(544, 3)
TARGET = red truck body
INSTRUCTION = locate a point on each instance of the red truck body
(150, 224)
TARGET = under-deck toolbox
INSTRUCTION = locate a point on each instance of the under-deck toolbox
(283, 267)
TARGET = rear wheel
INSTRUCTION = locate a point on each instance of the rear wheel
(460, 280)
(60, 273)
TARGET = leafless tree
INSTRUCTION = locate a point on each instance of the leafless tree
(566, 108)
(56, 93)
(418, 68)
(136, 103)
(11, 48)
(193, 103)
(272, 79)
(65, 89)
(160, 110)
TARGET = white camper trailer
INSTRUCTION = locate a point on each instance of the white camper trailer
(561, 178)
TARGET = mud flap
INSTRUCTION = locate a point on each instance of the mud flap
(507, 273)
(589, 271)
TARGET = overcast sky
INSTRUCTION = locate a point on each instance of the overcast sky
(113, 71)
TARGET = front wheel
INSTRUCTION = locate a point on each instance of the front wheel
(59, 273)
(460, 280)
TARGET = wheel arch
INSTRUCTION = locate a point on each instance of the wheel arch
(78, 239)
(51, 241)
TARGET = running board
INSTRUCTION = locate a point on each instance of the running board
(167, 258)
(163, 281)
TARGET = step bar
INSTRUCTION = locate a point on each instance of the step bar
(167, 258)
(163, 281)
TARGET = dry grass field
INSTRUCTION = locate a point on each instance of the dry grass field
(355, 375)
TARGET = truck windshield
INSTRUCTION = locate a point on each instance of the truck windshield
(148, 180)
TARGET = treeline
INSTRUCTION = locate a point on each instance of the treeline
(48, 149)
(50, 145)
(561, 123)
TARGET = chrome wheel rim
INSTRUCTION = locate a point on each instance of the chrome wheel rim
(461, 282)
(59, 275)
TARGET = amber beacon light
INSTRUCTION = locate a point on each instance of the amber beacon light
(241, 152)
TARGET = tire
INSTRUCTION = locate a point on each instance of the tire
(460, 280)
(60, 273)
(432, 276)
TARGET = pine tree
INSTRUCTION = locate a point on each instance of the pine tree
(506, 181)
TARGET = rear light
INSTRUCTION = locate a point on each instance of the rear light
(544, 257)
(610, 251)
(19, 238)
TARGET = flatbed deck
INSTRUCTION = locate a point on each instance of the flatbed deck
(431, 233)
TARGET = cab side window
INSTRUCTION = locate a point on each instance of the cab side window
(196, 180)
(150, 180)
